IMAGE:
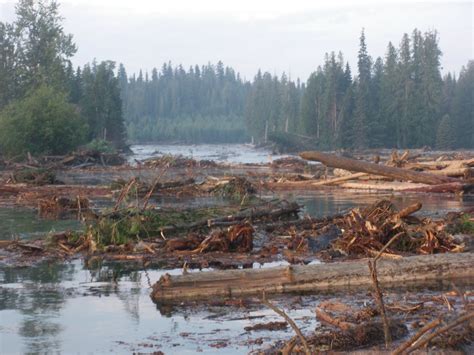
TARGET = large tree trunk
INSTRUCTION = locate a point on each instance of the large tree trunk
(333, 276)
(371, 168)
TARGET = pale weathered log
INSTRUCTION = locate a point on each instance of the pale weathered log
(453, 187)
(371, 168)
(321, 277)
(338, 179)
(448, 164)
(384, 186)
(452, 172)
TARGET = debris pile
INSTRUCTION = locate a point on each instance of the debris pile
(59, 206)
(33, 176)
(365, 232)
(398, 173)
(237, 187)
(237, 238)
(86, 158)
(177, 161)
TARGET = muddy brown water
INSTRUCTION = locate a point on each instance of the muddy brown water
(66, 308)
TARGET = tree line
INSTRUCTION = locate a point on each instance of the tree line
(47, 107)
(201, 104)
(399, 101)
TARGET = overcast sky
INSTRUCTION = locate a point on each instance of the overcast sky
(277, 36)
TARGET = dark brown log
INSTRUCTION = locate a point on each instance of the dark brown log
(371, 168)
(240, 283)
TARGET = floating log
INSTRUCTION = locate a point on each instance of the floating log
(371, 168)
(321, 277)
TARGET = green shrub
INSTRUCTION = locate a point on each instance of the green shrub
(101, 146)
(41, 123)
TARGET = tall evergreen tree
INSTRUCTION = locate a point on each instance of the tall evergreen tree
(362, 115)
(390, 101)
(463, 107)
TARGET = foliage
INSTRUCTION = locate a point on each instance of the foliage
(445, 134)
(119, 228)
(396, 102)
(101, 146)
(219, 129)
(100, 102)
(202, 104)
(464, 225)
(41, 123)
(34, 50)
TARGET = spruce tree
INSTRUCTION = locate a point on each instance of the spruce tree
(445, 139)
(362, 114)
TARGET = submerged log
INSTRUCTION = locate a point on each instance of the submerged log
(371, 168)
(321, 277)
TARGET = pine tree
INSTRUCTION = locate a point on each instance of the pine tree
(362, 114)
(390, 100)
(445, 134)
(405, 91)
(378, 127)
(463, 107)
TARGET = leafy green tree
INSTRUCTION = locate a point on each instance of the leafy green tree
(41, 123)
(43, 49)
(8, 79)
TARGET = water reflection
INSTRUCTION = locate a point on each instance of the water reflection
(37, 295)
(25, 223)
(321, 204)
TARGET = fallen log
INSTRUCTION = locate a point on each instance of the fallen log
(339, 179)
(272, 212)
(371, 168)
(321, 277)
(458, 172)
(452, 187)
(384, 186)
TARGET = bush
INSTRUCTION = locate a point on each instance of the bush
(101, 146)
(41, 123)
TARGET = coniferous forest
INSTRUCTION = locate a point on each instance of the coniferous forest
(399, 101)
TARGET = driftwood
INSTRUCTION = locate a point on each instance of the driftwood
(452, 187)
(240, 283)
(371, 168)
(270, 211)
(339, 179)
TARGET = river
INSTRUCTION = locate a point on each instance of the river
(66, 308)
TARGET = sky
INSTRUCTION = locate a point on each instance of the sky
(277, 36)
